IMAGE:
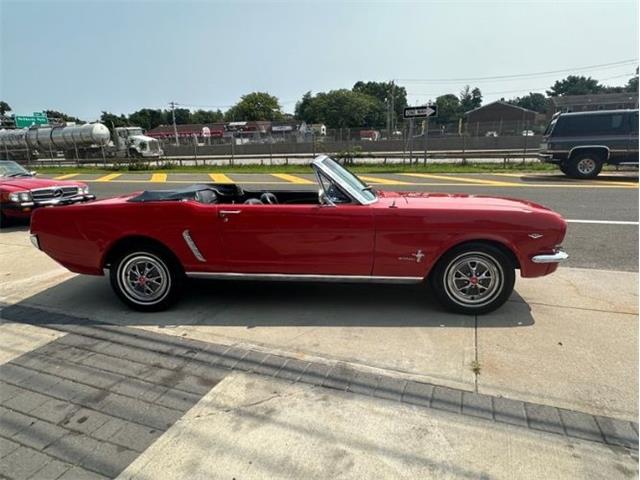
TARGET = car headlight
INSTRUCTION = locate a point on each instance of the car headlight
(20, 197)
(84, 190)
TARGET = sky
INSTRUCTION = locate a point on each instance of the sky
(82, 57)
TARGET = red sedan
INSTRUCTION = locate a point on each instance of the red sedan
(465, 247)
(21, 192)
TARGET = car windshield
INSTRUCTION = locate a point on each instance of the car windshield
(12, 169)
(348, 181)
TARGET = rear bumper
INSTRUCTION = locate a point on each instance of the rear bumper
(547, 157)
(556, 257)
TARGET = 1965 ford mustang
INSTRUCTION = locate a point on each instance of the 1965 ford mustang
(466, 247)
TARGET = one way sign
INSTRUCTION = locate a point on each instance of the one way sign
(421, 112)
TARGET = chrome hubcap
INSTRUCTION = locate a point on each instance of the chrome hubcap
(144, 278)
(473, 278)
(586, 166)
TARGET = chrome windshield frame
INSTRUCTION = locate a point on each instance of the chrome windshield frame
(355, 194)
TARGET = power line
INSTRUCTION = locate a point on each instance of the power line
(624, 75)
(601, 66)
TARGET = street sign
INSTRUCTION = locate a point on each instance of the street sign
(421, 112)
(23, 121)
(39, 114)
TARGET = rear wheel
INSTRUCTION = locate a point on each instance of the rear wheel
(474, 278)
(146, 279)
(584, 165)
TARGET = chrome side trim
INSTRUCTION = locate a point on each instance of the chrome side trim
(285, 277)
(579, 147)
(192, 246)
(557, 257)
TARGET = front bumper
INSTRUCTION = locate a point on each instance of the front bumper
(557, 256)
(547, 157)
(23, 209)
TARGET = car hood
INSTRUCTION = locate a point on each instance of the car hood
(30, 183)
(457, 201)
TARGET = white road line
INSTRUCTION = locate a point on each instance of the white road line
(604, 222)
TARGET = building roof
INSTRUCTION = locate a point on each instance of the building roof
(596, 98)
(500, 102)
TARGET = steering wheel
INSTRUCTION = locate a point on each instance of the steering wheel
(269, 198)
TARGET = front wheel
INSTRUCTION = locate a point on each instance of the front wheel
(474, 278)
(146, 280)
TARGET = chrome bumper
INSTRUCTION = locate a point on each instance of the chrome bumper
(56, 201)
(556, 257)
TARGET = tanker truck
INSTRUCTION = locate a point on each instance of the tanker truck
(91, 140)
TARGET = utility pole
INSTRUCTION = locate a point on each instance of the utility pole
(393, 105)
(175, 128)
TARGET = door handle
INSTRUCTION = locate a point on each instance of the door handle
(223, 214)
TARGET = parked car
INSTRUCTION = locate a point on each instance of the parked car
(466, 247)
(491, 133)
(528, 133)
(21, 192)
(581, 143)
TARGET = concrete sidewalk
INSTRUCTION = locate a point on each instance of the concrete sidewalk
(251, 428)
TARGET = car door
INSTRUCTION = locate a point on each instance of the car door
(297, 239)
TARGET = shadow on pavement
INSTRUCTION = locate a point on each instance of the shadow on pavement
(545, 178)
(264, 304)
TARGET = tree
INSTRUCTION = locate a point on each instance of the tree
(449, 109)
(183, 116)
(61, 117)
(148, 118)
(385, 92)
(4, 107)
(111, 121)
(255, 106)
(575, 85)
(342, 109)
(470, 99)
(534, 101)
(632, 85)
(207, 116)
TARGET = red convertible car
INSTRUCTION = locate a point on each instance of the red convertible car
(466, 247)
(21, 192)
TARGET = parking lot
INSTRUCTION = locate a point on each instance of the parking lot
(92, 388)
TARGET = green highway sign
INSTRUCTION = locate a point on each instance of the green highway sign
(23, 121)
(39, 114)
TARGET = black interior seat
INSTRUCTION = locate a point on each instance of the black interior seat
(206, 196)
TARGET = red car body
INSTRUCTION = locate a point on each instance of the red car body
(39, 192)
(360, 240)
(399, 237)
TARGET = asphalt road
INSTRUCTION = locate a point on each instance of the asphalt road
(592, 241)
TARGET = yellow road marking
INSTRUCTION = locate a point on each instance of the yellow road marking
(158, 177)
(293, 179)
(68, 175)
(108, 178)
(463, 179)
(382, 181)
(220, 178)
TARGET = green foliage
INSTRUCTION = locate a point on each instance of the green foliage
(60, 116)
(4, 107)
(385, 92)
(449, 109)
(575, 85)
(148, 118)
(470, 99)
(112, 121)
(534, 101)
(207, 116)
(255, 106)
(632, 85)
(342, 109)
